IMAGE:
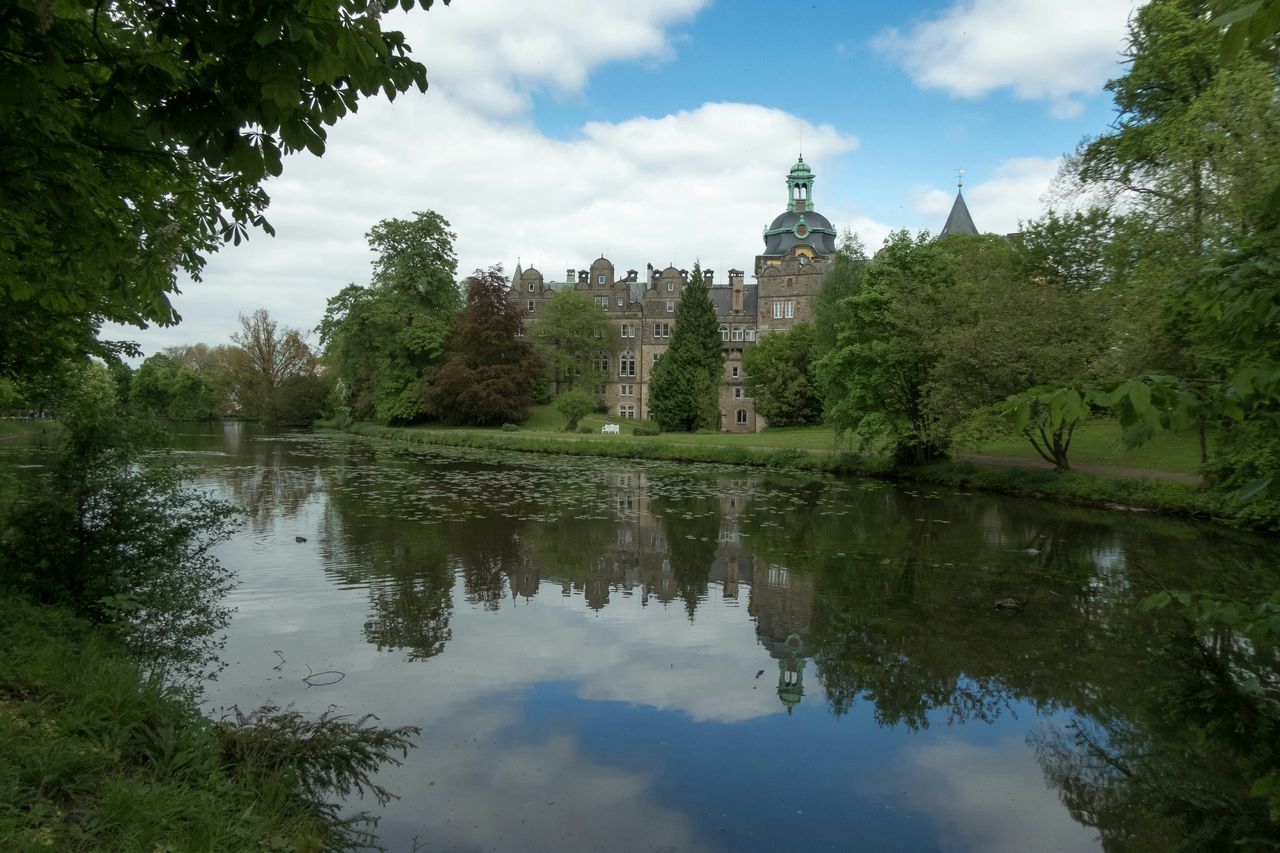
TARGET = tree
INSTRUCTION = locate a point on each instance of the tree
(780, 379)
(571, 331)
(874, 381)
(267, 356)
(574, 405)
(490, 374)
(170, 390)
(136, 137)
(684, 385)
(1010, 321)
(848, 268)
(381, 341)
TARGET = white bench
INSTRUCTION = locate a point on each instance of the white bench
(613, 429)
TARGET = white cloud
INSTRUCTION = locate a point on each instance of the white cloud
(1018, 191)
(694, 184)
(988, 799)
(1040, 49)
(491, 54)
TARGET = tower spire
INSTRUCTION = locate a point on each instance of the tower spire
(800, 187)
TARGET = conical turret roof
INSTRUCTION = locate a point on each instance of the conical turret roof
(959, 221)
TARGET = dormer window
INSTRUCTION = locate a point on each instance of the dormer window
(600, 279)
(531, 287)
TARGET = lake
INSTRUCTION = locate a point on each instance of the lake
(607, 655)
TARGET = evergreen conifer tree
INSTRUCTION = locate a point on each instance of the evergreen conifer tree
(685, 381)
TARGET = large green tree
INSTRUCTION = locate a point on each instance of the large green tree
(136, 137)
(875, 379)
(1009, 321)
(490, 375)
(780, 377)
(570, 332)
(382, 340)
(684, 385)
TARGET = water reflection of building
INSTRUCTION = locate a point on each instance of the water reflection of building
(782, 605)
(640, 551)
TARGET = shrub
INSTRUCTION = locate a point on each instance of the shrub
(646, 429)
(510, 427)
(586, 429)
(574, 405)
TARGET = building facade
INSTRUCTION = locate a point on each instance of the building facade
(798, 249)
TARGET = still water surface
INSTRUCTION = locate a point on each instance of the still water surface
(611, 655)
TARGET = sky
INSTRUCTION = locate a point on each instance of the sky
(558, 131)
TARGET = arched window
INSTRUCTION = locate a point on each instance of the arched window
(724, 333)
(627, 364)
(737, 333)
(602, 362)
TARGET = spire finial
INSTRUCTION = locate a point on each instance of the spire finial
(960, 178)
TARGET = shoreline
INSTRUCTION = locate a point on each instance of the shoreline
(1118, 494)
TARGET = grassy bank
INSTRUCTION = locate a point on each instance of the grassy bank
(1071, 487)
(95, 758)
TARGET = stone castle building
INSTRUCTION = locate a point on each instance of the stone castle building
(799, 246)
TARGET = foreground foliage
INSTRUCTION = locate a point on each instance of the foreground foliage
(137, 137)
(100, 757)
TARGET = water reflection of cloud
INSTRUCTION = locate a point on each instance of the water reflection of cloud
(647, 655)
(473, 790)
(988, 799)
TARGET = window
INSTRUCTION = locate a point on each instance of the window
(751, 333)
(656, 356)
(733, 372)
(671, 306)
(603, 300)
(627, 364)
(600, 279)
(661, 330)
(531, 306)
(599, 390)
(531, 287)
(777, 310)
(724, 333)
(602, 362)
(628, 330)
(619, 301)
(790, 309)
(737, 392)
(671, 287)
(596, 333)
(520, 332)
(737, 333)
(742, 417)
(628, 411)
(628, 391)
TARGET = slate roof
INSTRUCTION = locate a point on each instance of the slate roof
(722, 299)
(959, 222)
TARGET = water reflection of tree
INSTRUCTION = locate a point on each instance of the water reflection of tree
(402, 563)
(689, 514)
(268, 480)
(1173, 766)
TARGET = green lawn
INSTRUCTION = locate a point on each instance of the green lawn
(1096, 442)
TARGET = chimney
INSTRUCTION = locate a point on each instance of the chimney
(735, 282)
(632, 275)
(684, 275)
(709, 276)
(584, 277)
(569, 274)
(649, 274)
